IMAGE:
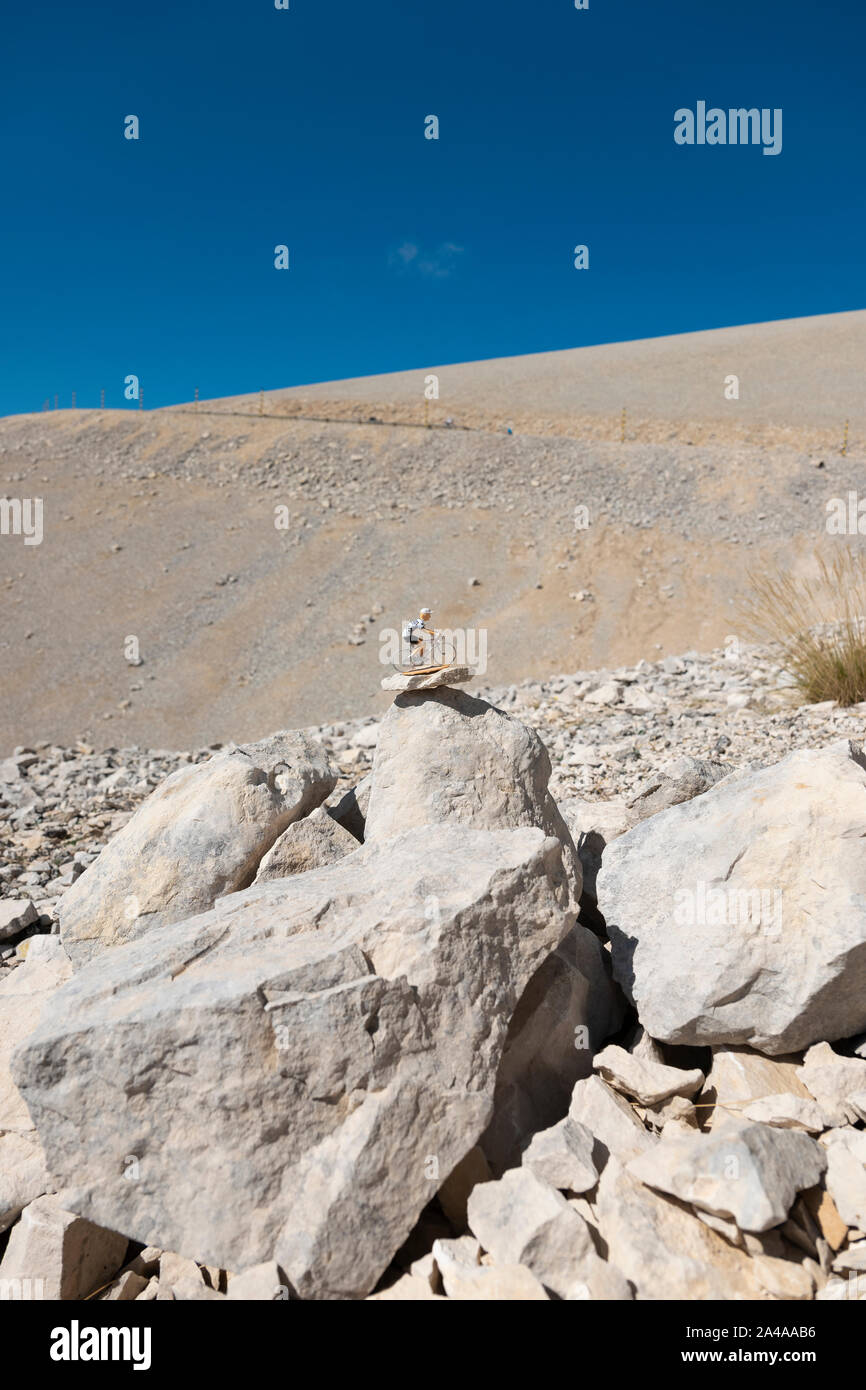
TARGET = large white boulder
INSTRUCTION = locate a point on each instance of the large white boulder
(740, 916)
(24, 993)
(446, 757)
(199, 835)
(292, 1075)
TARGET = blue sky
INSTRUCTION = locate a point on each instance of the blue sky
(305, 127)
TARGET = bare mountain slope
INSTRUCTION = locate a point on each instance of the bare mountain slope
(160, 525)
(801, 374)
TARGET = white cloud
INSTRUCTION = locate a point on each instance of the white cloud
(433, 265)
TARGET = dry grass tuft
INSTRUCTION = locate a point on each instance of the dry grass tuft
(820, 624)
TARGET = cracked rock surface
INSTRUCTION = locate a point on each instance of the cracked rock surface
(281, 1065)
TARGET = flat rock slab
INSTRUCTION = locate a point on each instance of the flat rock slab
(450, 675)
(664, 1249)
(832, 1079)
(740, 1075)
(648, 1081)
(743, 1171)
(788, 1112)
(283, 1067)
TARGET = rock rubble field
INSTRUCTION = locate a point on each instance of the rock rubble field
(549, 992)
